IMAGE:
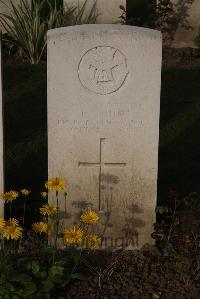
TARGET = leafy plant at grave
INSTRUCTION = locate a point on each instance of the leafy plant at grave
(170, 16)
(13, 283)
(178, 225)
(27, 25)
(26, 29)
(164, 15)
(39, 270)
(23, 277)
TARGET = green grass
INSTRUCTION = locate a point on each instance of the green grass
(26, 141)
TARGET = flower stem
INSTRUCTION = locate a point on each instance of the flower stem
(24, 213)
(57, 221)
(173, 221)
(23, 224)
(65, 196)
(10, 210)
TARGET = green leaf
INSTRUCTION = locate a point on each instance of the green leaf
(162, 210)
(34, 266)
(56, 270)
(48, 249)
(47, 286)
(27, 27)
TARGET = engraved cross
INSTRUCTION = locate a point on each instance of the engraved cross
(100, 164)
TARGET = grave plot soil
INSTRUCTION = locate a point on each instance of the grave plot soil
(138, 275)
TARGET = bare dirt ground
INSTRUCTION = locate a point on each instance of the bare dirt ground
(144, 274)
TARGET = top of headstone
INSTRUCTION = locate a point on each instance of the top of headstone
(104, 27)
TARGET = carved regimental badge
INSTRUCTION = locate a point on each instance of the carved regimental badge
(103, 70)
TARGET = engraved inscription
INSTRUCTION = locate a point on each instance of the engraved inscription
(106, 120)
(103, 70)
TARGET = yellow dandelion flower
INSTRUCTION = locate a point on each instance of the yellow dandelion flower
(90, 217)
(44, 194)
(25, 192)
(39, 227)
(73, 235)
(14, 194)
(56, 184)
(6, 196)
(12, 230)
(12, 221)
(2, 223)
(48, 210)
(93, 241)
(9, 196)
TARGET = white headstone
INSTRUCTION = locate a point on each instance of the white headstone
(109, 11)
(1, 144)
(103, 125)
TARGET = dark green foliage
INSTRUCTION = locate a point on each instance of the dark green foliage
(46, 8)
(26, 25)
(14, 284)
(35, 277)
(26, 28)
(163, 15)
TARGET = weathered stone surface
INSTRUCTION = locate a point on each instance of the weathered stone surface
(1, 144)
(108, 10)
(103, 125)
